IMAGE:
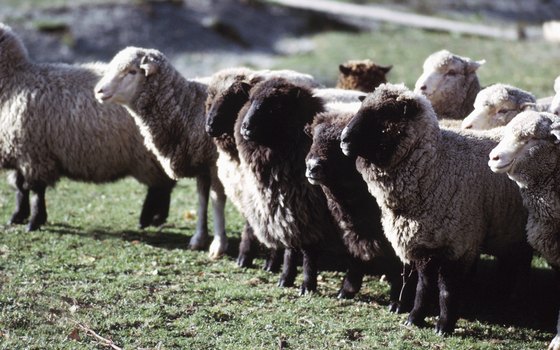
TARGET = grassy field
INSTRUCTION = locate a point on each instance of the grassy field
(91, 270)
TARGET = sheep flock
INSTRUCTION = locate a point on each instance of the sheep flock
(412, 184)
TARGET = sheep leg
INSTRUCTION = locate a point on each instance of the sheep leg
(273, 260)
(427, 275)
(219, 243)
(451, 285)
(310, 257)
(409, 280)
(38, 207)
(247, 247)
(555, 343)
(200, 238)
(289, 270)
(156, 206)
(22, 210)
(352, 282)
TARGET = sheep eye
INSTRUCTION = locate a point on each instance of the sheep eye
(502, 111)
(451, 73)
(132, 72)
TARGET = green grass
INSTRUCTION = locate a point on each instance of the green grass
(90, 265)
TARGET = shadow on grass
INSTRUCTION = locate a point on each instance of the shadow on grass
(537, 311)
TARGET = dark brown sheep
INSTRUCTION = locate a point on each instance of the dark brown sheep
(362, 75)
(272, 148)
(354, 209)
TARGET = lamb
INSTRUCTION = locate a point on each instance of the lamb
(352, 206)
(529, 155)
(496, 105)
(439, 202)
(272, 148)
(169, 111)
(361, 75)
(450, 83)
(51, 126)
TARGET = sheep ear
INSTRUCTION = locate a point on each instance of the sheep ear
(557, 84)
(528, 106)
(344, 69)
(149, 65)
(362, 98)
(472, 66)
(385, 69)
(245, 87)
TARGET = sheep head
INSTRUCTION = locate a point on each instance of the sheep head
(496, 106)
(362, 75)
(555, 104)
(526, 150)
(223, 108)
(126, 72)
(325, 161)
(383, 130)
(444, 73)
(277, 112)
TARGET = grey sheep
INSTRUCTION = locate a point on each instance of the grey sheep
(496, 105)
(169, 111)
(450, 83)
(51, 126)
(530, 155)
(439, 201)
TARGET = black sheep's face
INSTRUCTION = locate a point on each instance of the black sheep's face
(325, 161)
(223, 109)
(379, 131)
(275, 117)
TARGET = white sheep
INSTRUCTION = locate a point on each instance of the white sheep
(530, 155)
(52, 126)
(450, 83)
(170, 113)
(496, 105)
(440, 203)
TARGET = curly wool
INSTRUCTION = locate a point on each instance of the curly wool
(436, 199)
(51, 125)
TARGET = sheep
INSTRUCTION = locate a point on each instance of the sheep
(555, 103)
(361, 75)
(496, 105)
(450, 83)
(51, 126)
(227, 92)
(439, 202)
(352, 206)
(530, 156)
(169, 111)
(272, 147)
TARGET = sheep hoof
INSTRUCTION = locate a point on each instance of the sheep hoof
(344, 294)
(443, 329)
(307, 290)
(244, 261)
(285, 283)
(33, 226)
(198, 242)
(555, 343)
(218, 247)
(18, 218)
(412, 321)
(394, 307)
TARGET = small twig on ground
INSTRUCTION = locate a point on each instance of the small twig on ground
(103, 341)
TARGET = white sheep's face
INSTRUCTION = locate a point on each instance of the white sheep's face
(444, 73)
(555, 104)
(489, 115)
(524, 146)
(119, 85)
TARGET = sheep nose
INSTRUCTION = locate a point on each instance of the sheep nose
(556, 112)
(494, 156)
(99, 91)
(469, 126)
(423, 87)
(314, 165)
